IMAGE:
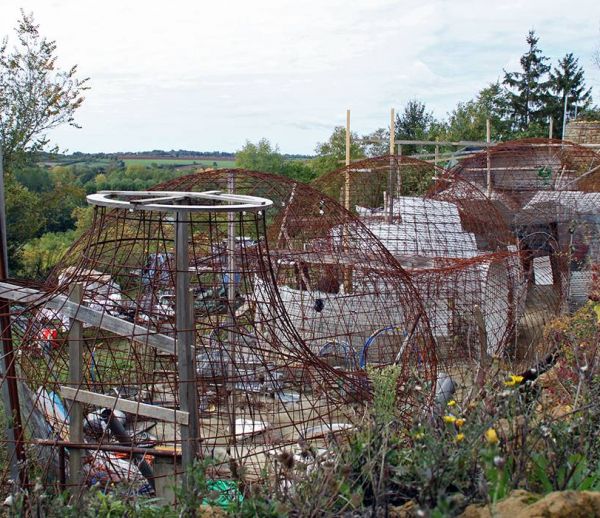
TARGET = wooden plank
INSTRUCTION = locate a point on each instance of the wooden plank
(75, 379)
(90, 316)
(125, 405)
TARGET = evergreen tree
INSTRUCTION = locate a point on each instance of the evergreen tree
(528, 89)
(567, 83)
(414, 123)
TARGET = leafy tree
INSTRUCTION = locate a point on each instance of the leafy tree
(35, 178)
(59, 205)
(468, 120)
(528, 89)
(83, 217)
(267, 158)
(35, 95)
(298, 170)
(381, 146)
(260, 157)
(414, 123)
(40, 255)
(567, 82)
(25, 217)
(332, 154)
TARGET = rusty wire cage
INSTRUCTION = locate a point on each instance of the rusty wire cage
(548, 192)
(456, 247)
(226, 315)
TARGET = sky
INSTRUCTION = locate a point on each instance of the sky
(209, 75)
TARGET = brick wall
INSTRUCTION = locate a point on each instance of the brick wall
(583, 132)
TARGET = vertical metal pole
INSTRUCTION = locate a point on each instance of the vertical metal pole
(75, 379)
(488, 139)
(10, 394)
(184, 323)
(231, 289)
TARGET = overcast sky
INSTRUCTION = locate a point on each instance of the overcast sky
(207, 75)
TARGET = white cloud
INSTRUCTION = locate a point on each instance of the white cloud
(208, 75)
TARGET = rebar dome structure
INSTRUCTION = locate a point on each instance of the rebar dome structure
(338, 284)
(454, 245)
(549, 193)
(227, 314)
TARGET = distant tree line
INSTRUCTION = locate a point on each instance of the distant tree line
(45, 192)
(519, 105)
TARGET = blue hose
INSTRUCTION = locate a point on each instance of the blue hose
(370, 340)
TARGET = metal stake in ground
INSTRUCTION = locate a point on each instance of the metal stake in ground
(184, 323)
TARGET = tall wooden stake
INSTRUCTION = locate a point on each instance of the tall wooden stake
(488, 139)
(551, 128)
(392, 132)
(393, 170)
(347, 182)
(75, 380)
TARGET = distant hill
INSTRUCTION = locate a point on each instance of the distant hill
(155, 154)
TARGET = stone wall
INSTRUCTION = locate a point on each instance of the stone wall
(583, 132)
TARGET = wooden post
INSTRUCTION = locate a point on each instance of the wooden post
(347, 178)
(347, 137)
(437, 155)
(488, 139)
(75, 381)
(551, 128)
(347, 282)
(392, 132)
(392, 171)
(186, 332)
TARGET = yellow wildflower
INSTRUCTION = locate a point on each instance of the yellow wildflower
(514, 380)
(452, 403)
(491, 436)
(597, 311)
(459, 437)
(449, 419)
(419, 435)
(459, 422)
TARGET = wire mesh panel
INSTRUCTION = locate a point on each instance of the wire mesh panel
(547, 191)
(455, 245)
(275, 308)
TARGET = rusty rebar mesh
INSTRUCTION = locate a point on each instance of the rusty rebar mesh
(411, 265)
(288, 310)
(549, 194)
(460, 253)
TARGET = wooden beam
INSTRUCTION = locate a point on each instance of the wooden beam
(488, 139)
(392, 132)
(347, 137)
(125, 405)
(90, 316)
